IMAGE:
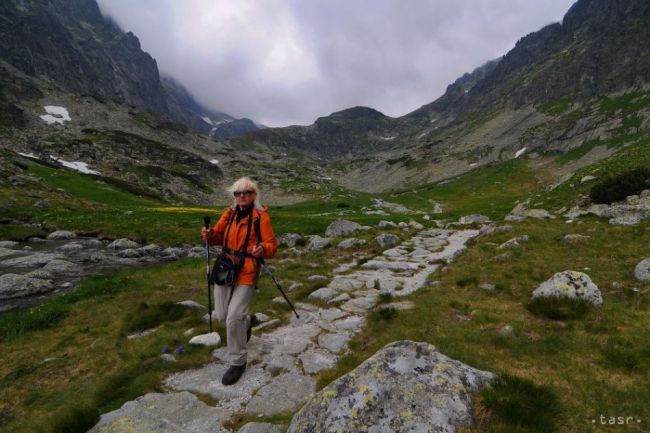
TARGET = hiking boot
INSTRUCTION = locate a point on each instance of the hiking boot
(233, 374)
(253, 322)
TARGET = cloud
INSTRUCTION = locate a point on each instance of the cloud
(289, 62)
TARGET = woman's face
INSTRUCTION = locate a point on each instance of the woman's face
(245, 197)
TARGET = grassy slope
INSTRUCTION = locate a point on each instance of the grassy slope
(593, 365)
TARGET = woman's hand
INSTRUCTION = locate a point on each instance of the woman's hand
(258, 251)
(205, 233)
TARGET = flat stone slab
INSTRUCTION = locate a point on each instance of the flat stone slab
(359, 305)
(286, 392)
(210, 339)
(164, 413)
(335, 343)
(207, 380)
(35, 260)
(323, 294)
(393, 266)
(316, 359)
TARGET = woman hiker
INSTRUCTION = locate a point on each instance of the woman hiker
(232, 301)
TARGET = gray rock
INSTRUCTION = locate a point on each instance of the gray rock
(416, 225)
(174, 252)
(574, 239)
(359, 305)
(289, 239)
(631, 219)
(487, 286)
(642, 270)
(286, 392)
(61, 234)
(315, 360)
(387, 240)
(405, 387)
(323, 294)
(36, 240)
(151, 250)
(351, 243)
(511, 243)
(294, 286)
(317, 243)
(400, 305)
(340, 298)
(91, 243)
(163, 413)
(335, 343)
(471, 219)
(208, 340)
(386, 224)
(402, 225)
(40, 274)
(207, 380)
(42, 204)
(8, 244)
(345, 284)
(437, 208)
(587, 179)
(317, 278)
(72, 247)
(7, 252)
(129, 253)
(505, 330)
(342, 228)
(191, 304)
(15, 286)
(62, 267)
(262, 427)
(122, 244)
(35, 260)
(570, 284)
(168, 357)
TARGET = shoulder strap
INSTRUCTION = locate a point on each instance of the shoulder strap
(257, 227)
(230, 220)
(244, 250)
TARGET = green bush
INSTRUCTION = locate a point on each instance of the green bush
(521, 405)
(72, 419)
(559, 307)
(618, 187)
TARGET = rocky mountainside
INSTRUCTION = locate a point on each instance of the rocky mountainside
(71, 44)
(545, 95)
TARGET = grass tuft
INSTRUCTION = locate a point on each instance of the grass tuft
(76, 418)
(521, 405)
(559, 308)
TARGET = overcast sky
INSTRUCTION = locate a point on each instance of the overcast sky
(282, 62)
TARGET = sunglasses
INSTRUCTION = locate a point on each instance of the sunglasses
(242, 193)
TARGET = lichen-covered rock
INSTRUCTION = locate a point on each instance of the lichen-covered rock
(122, 244)
(405, 387)
(351, 243)
(342, 228)
(642, 270)
(570, 284)
(262, 427)
(163, 413)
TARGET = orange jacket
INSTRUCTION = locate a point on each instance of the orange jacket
(237, 237)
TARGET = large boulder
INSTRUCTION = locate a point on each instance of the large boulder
(342, 228)
(473, 219)
(570, 284)
(16, 286)
(405, 387)
(642, 270)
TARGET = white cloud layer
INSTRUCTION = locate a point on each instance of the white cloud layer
(289, 62)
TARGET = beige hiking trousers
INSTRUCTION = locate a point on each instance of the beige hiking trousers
(231, 307)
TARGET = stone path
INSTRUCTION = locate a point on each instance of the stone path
(282, 363)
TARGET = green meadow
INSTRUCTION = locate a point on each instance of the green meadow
(69, 359)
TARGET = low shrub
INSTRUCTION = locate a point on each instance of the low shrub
(618, 187)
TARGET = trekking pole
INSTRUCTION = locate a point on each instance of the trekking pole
(279, 287)
(206, 222)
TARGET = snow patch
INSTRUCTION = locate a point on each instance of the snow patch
(520, 152)
(392, 137)
(214, 161)
(55, 114)
(207, 120)
(75, 165)
(28, 155)
(473, 164)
